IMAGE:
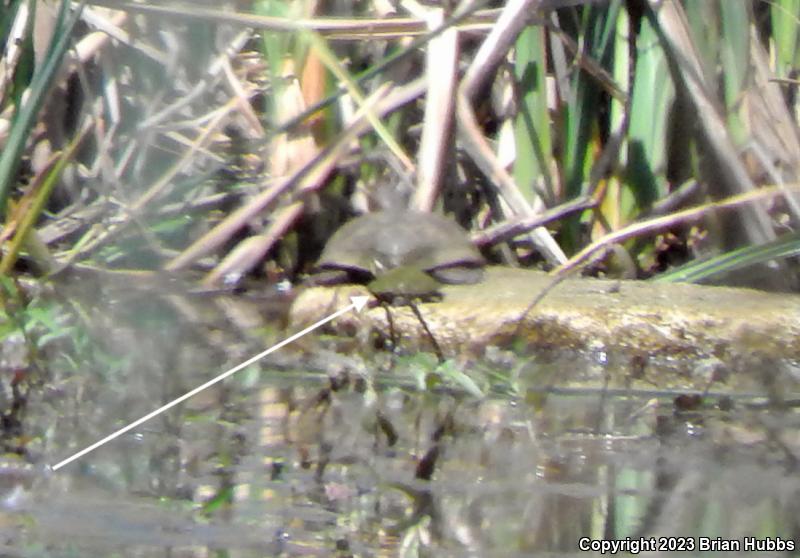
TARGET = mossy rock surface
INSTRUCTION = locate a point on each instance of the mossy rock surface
(636, 319)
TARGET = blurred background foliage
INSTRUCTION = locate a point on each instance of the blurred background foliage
(228, 141)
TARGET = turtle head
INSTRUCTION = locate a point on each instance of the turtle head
(403, 284)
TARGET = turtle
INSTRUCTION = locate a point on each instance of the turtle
(401, 253)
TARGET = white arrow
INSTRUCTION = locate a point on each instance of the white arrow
(357, 303)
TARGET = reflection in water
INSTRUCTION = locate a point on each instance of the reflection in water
(316, 453)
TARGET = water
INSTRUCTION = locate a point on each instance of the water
(321, 450)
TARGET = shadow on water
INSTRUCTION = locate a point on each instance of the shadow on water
(316, 452)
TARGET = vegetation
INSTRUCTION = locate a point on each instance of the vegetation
(149, 138)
